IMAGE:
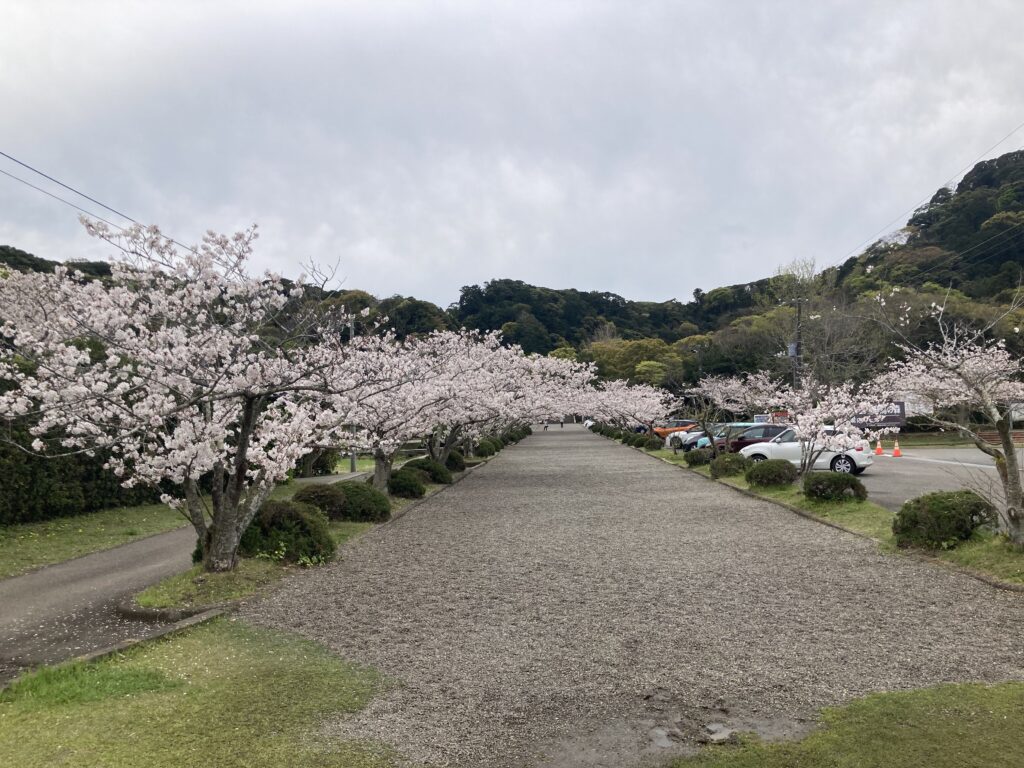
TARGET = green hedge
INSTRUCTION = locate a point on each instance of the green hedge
(455, 462)
(363, 502)
(728, 464)
(698, 457)
(34, 488)
(288, 531)
(941, 520)
(436, 471)
(407, 483)
(772, 472)
(329, 499)
(833, 486)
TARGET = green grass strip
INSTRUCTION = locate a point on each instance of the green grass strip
(223, 694)
(951, 726)
(31, 545)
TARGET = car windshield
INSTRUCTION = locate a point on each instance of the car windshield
(789, 436)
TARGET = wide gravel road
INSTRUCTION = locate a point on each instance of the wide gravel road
(576, 603)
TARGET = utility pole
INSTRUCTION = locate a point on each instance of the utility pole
(796, 348)
(352, 453)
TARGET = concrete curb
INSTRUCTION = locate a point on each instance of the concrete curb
(124, 645)
(129, 609)
(177, 626)
(924, 557)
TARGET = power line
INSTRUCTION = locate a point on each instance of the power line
(986, 254)
(70, 188)
(903, 217)
(60, 199)
(80, 194)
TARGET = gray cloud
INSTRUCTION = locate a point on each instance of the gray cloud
(647, 148)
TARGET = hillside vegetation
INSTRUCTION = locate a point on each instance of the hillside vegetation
(964, 248)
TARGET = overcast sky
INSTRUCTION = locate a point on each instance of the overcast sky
(644, 148)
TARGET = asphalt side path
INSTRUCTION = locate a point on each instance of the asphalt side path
(576, 603)
(64, 610)
(69, 609)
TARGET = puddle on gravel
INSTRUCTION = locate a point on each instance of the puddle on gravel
(663, 728)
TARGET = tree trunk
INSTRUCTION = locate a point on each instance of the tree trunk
(446, 447)
(1009, 473)
(382, 464)
(220, 550)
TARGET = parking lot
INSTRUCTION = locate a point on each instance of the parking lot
(891, 481)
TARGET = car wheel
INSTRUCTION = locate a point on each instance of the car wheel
(758, 457)
(843, 464)
(675, 442)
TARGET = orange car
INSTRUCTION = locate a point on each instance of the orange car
(677, 425)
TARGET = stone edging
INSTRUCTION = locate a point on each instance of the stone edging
(124, 645)
(924, 557)
(129, 609)
(177, 626)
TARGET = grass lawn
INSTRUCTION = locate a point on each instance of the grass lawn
(951, 726)
(31, 545)
(222, 694)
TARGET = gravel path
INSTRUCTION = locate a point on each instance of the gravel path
(574, 603)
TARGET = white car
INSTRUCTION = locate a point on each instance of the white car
(786, 446)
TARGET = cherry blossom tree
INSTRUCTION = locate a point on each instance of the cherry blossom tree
(191, 373)
(966, 370)
(627, 405)
(427, 373)
(833, 418)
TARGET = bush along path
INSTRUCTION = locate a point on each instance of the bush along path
(577, 604)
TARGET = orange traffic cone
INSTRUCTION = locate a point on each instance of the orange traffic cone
(896, 452)
(878, 447)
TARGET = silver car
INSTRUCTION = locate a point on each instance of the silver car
(786, 446)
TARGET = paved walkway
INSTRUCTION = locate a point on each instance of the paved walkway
(65, 610)
(575, 603)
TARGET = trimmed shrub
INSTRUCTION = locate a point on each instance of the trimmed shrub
(455, 462)
(698, 457)
(638, 440)
(329, 499)
(407, 483)
(484, 449)
(941, 520)
(436, 471)
(833, 486)
(363, 502)
(652, 443)
(728, 464)
(765, 474)
(288, 531)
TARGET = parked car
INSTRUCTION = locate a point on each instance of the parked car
(689, 440)
(786, 446)
(730, 432)
(759, 434)
(676, 425)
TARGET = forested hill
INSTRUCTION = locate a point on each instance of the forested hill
(969, 239)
